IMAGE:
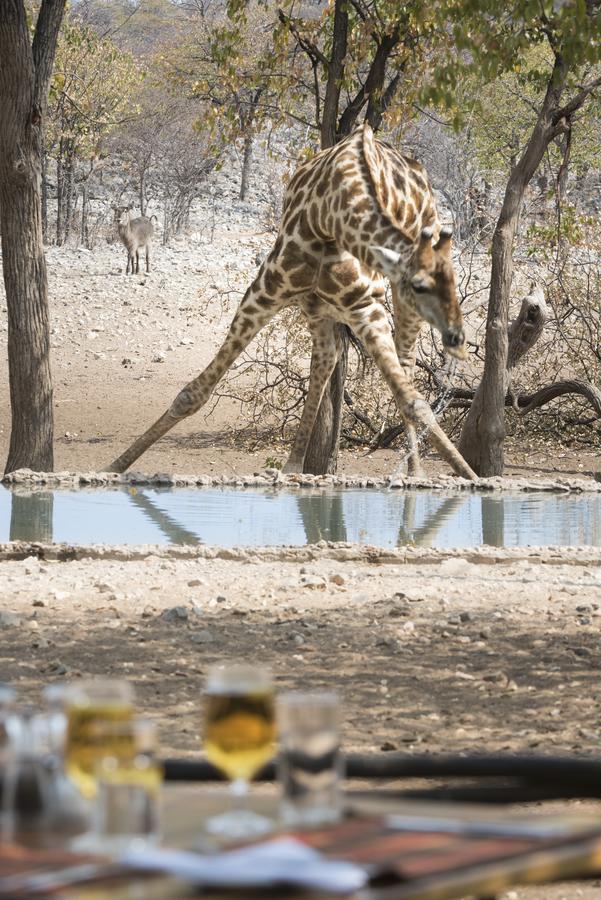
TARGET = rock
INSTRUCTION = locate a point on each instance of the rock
(388, 746)
(496, 678)
(158, 358)
(10, 619)
(104, 588)
(455, 566)
(466, 617)
(175, 614)
(314, 582)
(337, 579)
(389, 643)
(202, 637)
(39, 602)
(195, 582)
(58, 668)
(397, 611)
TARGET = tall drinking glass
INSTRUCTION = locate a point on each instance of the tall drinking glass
(310, 766)
(239, 738)
(89, 706)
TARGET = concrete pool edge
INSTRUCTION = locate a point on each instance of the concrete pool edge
(340, 552)
(27, 479)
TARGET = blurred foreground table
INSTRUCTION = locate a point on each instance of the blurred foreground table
(423, 865)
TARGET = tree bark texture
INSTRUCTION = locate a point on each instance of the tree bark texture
(25, 70)
(483, 435)
(322, 452)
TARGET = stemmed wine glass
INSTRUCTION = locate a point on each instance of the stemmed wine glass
(239, 738)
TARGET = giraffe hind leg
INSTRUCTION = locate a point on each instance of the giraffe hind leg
(324, 356)
(252, 315)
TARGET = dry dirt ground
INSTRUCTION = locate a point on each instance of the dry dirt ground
(445, 654)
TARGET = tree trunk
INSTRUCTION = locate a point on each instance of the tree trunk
(322, 451)
(44, 196)
(246, 161)
(335, 74)
(69, 193)
(60, 194)
(28, 325)
(84, 235)
(143, 192)
(25, 70)
(483, 435)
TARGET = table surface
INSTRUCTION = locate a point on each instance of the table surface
(186, 806)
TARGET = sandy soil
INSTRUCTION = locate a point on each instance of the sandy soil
(443, 654)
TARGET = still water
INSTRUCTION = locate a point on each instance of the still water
(256, 517)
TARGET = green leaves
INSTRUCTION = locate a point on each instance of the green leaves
(92, 90)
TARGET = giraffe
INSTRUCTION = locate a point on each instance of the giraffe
(355, 214)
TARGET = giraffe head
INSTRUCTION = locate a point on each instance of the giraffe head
(431, 285)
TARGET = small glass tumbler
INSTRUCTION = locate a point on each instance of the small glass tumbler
(126, 811)
(310, 765)
(129, 784)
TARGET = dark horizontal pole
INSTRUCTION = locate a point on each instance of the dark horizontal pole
(553, 772)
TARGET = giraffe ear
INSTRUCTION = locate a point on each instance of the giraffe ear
(386, 260)
(444, 238)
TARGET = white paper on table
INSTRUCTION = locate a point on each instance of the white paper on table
(279, 861)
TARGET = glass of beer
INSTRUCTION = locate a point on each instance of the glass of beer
(89, 706)
(239, 738)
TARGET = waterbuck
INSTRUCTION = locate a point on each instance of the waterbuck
(135, 235)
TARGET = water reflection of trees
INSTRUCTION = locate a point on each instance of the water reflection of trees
(322, 517)
(417, 518)
(31, 516)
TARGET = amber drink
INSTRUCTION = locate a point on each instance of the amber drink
(239, 738)
(240, 731)
(90, 707)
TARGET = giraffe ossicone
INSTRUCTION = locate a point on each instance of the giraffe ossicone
(353, 215)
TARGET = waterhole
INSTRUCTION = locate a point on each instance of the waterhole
(258, 517)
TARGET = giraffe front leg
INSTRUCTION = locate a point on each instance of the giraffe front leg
(324, 356)
(414, 463)
(407, 326)
(373, 329)
(253, 313)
